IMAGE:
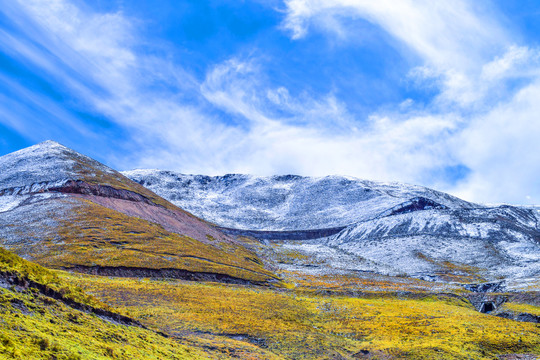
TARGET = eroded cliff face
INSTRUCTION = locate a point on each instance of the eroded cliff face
(143, 272)
(83, 188)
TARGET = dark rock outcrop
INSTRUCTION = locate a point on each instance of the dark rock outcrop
(525, 317)
(84, 188)
(140, 272)
(415, 204)
(485, 287)
(283, 235)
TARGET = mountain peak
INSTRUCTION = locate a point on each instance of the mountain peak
(49, 143)
(44, 146)
(45, 163)
(52, 166)
(48, 146)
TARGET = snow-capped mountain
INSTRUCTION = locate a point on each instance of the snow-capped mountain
(63, 209)
(389, 228)
(288, 202)
(36, 169)
(51, 171)
(42, 166)
(53, 195)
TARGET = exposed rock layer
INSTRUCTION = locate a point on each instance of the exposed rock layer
(83, 188)
(122, 271)
(283, 235)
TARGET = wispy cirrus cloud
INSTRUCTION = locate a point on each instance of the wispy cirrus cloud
(319, 136)
(455, 33)
(95, 57)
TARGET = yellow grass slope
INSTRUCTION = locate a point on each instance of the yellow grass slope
(36, 325)
(302, 325)
(92, 236)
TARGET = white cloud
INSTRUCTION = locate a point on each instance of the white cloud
(488, 89)
(319, 136)
(517, 61)
(230, 86)
(94, 55)
(487, 85)
(502, 148)
(239, 87)
(458, 44)
(447, 34)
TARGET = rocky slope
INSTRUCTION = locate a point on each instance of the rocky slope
(494, 243)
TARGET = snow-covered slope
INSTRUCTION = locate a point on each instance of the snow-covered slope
(63, 209)
(388, 228)
(42, 166)
(286, 202)
(502, 241)
(52, 169)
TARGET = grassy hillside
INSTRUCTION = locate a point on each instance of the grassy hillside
(303, 325)
(17, 271)
(44, 317)
(78, 233)
(40, 320)
(101, 228)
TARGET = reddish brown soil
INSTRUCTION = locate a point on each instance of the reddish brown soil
(177, 221)
(133, 204)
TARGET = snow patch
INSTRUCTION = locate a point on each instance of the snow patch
(9, 202)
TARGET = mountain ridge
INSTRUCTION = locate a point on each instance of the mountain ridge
(284, 202)
(410, 273)
(347, 224)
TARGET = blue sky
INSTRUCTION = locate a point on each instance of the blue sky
(443, 94)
